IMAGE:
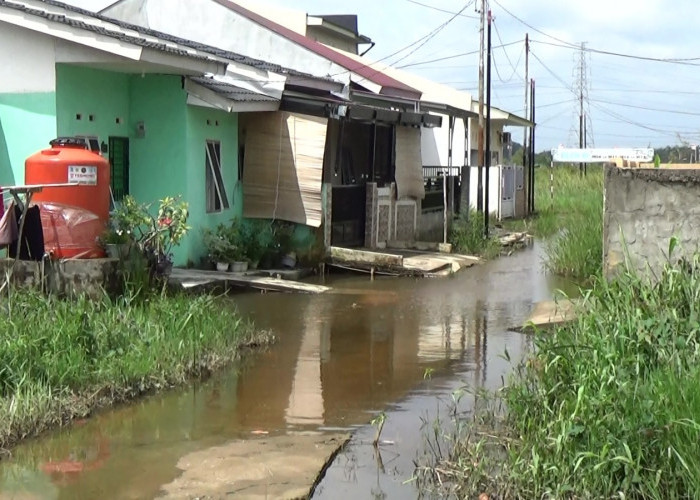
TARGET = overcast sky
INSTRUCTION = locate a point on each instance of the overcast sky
(631, 99)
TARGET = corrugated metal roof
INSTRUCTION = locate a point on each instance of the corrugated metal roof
(389, 85)
(232, 92)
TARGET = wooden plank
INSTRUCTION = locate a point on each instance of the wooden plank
(365, 257)
(192, 278)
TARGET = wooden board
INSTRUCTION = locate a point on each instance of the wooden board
(551, 313)
(193, 278)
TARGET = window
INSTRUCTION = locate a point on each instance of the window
(216, 198)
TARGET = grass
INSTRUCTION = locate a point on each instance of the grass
(61, 359)
(606, 407)
(467, 237)
(570, 221)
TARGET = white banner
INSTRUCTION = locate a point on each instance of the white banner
(593, 155)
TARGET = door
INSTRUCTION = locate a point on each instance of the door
(507, 208)
(119, 162)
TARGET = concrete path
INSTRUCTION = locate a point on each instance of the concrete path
(284, 467)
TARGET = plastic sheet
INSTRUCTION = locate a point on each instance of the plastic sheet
(71, 232)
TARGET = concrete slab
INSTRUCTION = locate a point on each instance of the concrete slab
(551, 313)
(401, 261)
(189, 279)
(284, 467)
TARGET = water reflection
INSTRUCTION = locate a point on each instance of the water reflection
(341, 357)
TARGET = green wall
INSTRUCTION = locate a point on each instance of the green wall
(159, 158)
(102, 95)
(209, 124)
(169, 158)
(27, 124)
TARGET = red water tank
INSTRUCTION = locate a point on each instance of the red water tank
(69, 161)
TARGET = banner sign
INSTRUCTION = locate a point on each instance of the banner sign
(593, 155)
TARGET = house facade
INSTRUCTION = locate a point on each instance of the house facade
(163, 112)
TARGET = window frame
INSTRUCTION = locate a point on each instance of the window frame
(216, 198)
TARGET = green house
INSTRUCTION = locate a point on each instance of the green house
(164, 110)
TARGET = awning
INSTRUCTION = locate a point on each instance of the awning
(212, 93)
(283, 166)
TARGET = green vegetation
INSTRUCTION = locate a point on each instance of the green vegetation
(467, 237)
(606, 407)
(570, 221)
(61, 359)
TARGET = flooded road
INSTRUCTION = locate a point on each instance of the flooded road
(341, 359)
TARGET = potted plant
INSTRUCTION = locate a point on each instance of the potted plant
(116, 242)
(218, 246)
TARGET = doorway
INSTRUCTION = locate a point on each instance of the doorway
(119, 163)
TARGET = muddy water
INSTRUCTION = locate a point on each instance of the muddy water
(341, 358)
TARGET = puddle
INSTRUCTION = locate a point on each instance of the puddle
(341, 358)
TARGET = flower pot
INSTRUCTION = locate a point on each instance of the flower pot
(289, 260)
(112, 250)
(239, 266)
(222, 266)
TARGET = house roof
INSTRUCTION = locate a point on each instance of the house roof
(231, 92)
(101, 30)
(453, 101)
(139, 35)
(387, 85)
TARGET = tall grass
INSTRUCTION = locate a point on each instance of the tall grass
(62, 358)
(467, 237)
(608, 406)
(570, 221)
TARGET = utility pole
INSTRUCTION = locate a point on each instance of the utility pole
(479, 181)
(526, 163)
(488, 133)
(532, 146)
(581, 115)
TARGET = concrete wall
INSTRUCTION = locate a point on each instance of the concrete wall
(92, 102)
(208, 22)
(209, 124)
(27, 99)
(644, 209)
(92, 277)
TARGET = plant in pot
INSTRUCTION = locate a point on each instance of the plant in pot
(218, 246)
(116, 242)
(237, 238)
(257, 239)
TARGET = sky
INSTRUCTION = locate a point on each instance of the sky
(641, 65)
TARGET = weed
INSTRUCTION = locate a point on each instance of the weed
(606, 407)
(467, 236)
(62, 358)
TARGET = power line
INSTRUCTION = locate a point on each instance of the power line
(432, 34)
(682, 61)
(514, 67)
(454, 56)
(441, 10)
(533, 28)
(645, 108)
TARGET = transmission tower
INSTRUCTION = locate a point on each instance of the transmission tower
(581, 132)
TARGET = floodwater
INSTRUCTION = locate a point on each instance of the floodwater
(398, 345)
